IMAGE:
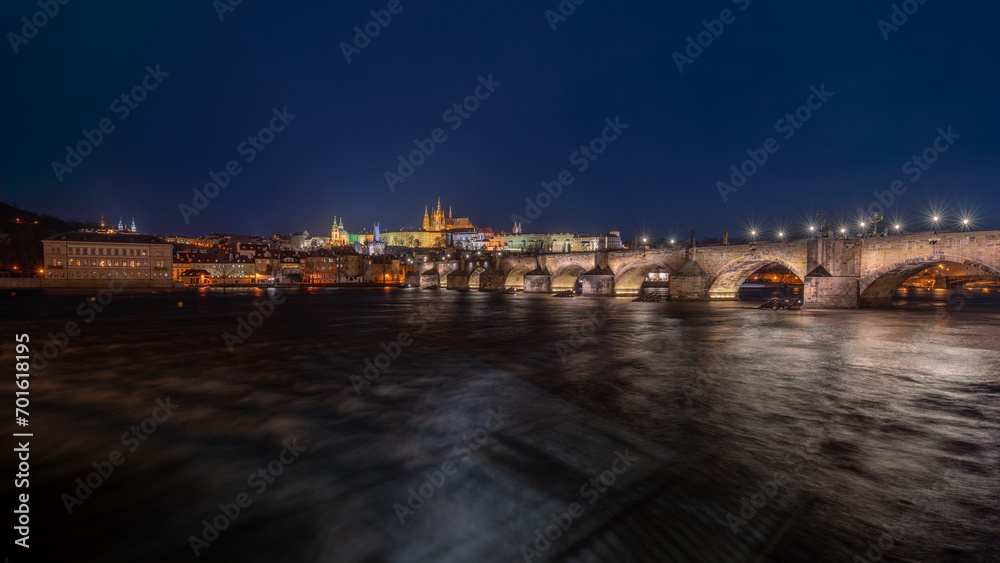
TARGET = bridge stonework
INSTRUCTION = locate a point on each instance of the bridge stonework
(837, 273)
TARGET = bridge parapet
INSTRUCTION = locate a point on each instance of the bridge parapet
(837, 273)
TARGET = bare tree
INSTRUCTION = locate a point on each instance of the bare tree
(226, 270)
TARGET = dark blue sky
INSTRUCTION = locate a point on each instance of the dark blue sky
(607, 59)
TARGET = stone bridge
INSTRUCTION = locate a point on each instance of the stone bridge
(837, 273)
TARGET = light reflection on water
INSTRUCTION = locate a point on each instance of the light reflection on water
(864, 411)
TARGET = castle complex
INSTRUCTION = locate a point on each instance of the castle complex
(438, 222)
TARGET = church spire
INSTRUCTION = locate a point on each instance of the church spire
(439, 212)
(449, 212)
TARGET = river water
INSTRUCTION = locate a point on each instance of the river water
(652, 431)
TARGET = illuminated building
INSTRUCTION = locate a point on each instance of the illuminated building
(437, 222)
(88, 259)
(539, 242)
(338, 235)
(587, 243)
(306, 241)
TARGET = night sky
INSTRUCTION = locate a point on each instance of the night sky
(219, 82)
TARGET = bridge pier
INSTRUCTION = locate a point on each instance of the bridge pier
(690, 283)
(828, 292)
(538, 281)
(491, 280)
(459, 279)
(598, 284)
(430, 278)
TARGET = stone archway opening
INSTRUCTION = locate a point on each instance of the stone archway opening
(515, 278)
(567, 278)
(632, 280)
(444, 269)
(928, 280)
(769, 281)
(474, 277)
(760, 279)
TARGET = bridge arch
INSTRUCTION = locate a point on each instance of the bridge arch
(445, 268)
(726, 284)
(474, 276)
(565, 278)
(515, 276)
(629, 279)
(876, 288)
